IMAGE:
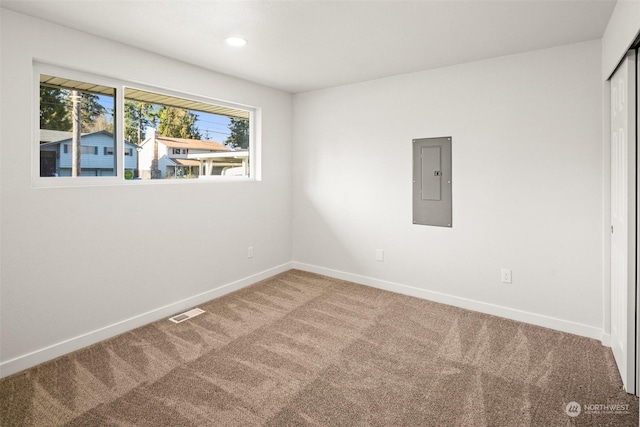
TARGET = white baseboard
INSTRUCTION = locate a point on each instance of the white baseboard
(482, 307)
(59, 349)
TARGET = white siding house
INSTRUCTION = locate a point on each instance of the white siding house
(97, 156)
(164, 157)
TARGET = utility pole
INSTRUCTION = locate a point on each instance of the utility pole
(155, 172)
(76, 100)
(139, 142)
(139, 107)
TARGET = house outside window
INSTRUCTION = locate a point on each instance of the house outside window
(97, 159)
(72, 113)
(187, 139)
(162, 135)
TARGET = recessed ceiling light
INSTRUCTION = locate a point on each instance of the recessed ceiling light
(235, 41)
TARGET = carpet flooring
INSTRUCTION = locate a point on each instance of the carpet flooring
(300, 349)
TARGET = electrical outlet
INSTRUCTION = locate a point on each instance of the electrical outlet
(380, 255)
(506, 275)
(250, 252)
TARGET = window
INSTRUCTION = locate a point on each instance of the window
(84, 121)
(76, 118)
(182, 138)
(88, 150)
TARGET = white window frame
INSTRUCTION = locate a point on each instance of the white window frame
(255, 116)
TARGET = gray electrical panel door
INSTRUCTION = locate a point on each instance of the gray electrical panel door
(432, 181)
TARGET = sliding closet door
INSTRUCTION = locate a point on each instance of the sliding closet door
(637, 240)
(623, 220)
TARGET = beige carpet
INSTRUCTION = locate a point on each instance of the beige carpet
(303, 349)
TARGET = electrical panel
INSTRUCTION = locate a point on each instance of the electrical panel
(432, 190)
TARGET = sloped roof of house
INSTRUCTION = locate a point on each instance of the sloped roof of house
(195, 144)
(83, 137)
(185, 162)
(47, 135)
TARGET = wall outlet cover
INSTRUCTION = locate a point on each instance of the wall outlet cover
(506, 275)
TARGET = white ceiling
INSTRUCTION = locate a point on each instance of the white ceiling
(299, 46)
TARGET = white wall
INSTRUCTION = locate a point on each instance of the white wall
(622, 29)
(77, 261)
(527, 185)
